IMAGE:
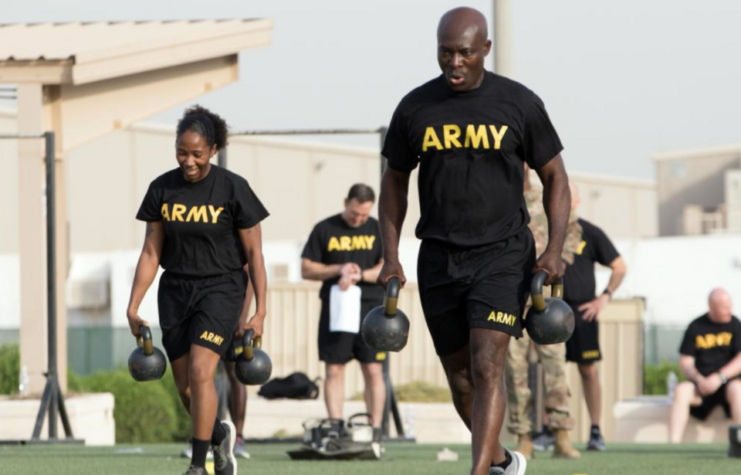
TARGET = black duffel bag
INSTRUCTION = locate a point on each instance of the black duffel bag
(294, 386)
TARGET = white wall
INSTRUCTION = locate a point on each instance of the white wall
(676, 274)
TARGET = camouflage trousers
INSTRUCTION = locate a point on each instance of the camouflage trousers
(519, 397)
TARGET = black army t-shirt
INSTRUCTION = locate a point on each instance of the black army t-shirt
(712, 344)
(579, 284)
(471, 147)
(332, 241)
(202, 220)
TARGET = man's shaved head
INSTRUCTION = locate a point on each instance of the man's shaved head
(458, 21)
(462, 45)
(720, 306)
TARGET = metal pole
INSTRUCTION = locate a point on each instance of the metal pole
(223, 389)
(389, 393)
(386, 377)
(397, 415)
(22, 136)
(52, 400)
(50, 280)
(221, 158)
(306, 132)
(390, 407)
(503, 37)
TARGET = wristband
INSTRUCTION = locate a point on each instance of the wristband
(607, 291)
(723, 378)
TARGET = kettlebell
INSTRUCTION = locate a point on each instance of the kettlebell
(386, 328)
(549, 320)
(147, 362)
(253, 366)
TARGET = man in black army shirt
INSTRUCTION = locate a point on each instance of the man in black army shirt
(345, 250)
(579, 289)
(470, 131)
(710, 358)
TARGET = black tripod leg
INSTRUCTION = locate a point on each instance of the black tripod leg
(42, 411)
(222, 391)
(389, 397)
(397, 416)
(63, 414)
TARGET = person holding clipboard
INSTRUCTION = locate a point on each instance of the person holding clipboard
(344, 252)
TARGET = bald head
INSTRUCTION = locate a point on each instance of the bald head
(461, 21)
(462, 45)
(720, 306)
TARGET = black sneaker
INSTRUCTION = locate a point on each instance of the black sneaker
(544, 440)
(196, 471)
(596, 442)
(224, 461)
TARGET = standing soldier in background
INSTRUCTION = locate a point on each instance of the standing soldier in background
(552, 357)
(344, 250)
(579, 287)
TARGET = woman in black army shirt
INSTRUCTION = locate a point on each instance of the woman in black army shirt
(203, 226)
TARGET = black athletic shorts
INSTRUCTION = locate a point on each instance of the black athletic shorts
(202, 312)
(718, 398)
(341, 347)
(583, 346)
(480, 287)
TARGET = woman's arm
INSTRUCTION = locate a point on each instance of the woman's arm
(248, 294)
(252, 242)
(146, 271)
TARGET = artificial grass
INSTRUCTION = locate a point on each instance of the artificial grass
(399, 459)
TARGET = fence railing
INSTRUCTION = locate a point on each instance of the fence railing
(291, 340)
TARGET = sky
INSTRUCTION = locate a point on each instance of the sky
(620, 80)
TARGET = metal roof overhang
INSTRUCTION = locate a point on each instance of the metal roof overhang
(75, 54)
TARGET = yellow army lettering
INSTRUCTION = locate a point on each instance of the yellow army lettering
(475, 137)
(710, 340)
(211, 337)
(197, 214)
(351, 243)
(590, 355)
(502, 317)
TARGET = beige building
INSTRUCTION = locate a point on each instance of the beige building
(699, 191)
(299, 182)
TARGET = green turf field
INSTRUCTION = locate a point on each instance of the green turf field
(399, 459)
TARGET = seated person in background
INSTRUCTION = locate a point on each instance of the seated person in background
(710, 358)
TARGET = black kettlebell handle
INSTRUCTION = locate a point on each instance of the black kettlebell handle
(144, 340)
(249, 342)
(393, 285)
(536, 290)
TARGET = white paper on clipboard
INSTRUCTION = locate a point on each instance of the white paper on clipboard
(344, 309)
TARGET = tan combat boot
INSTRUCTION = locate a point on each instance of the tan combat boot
(562, 447)
(525, 445)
